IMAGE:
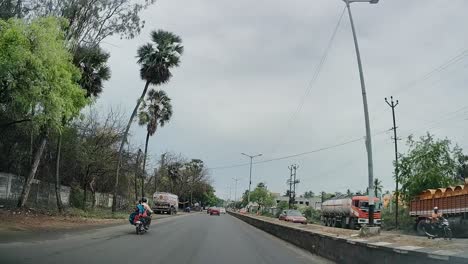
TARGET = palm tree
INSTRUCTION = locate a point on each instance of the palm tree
(156, 60)
(157, 110)
(377, 186)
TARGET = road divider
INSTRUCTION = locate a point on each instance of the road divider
(345, 250)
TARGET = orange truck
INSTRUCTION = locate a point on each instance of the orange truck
(349, 212)
(452, 203)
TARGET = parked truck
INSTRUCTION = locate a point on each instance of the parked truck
(452, 203)
(349, 212)
(165, 203)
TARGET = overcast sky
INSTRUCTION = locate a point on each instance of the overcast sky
(248, 64)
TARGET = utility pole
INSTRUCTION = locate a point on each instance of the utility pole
(289, 181)
(292, 184)
(250, 175)
(235, 191)
(295, 182)
(393, 104)
(370, 164)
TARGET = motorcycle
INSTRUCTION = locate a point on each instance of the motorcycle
(440, 228)
(141, 227)
(140, 224)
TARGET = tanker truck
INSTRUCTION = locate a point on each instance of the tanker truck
(349, 212)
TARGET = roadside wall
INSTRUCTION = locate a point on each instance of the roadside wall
(344, 250)
(41, 194)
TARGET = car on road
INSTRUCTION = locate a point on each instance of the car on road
(215, 211)
(222, 210)
(293, 216)
(208, 210)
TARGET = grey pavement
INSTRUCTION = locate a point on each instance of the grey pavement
(195, 238)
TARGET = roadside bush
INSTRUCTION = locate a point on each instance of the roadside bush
(76, 197)
(280, 207)
(312, 215)
(405, 221)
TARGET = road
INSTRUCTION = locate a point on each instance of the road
(196, 238)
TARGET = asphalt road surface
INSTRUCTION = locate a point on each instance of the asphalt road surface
(195, 238)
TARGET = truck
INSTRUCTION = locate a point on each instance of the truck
(165, 203)
(452, 202)
(349, 212)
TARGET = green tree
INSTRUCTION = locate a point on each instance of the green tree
(349, 193)
(156, 110)
(377, 187)
(262, 196)
(38, 80)
(309, 194)
(156, 60)
(429, 163)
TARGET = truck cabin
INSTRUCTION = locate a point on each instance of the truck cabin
(362, 202)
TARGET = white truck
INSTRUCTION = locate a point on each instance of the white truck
(165, 203)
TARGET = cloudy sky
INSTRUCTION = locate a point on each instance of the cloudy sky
(248, 66)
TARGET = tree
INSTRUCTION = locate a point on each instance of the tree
(39, 82)
(309, 194)
(156, 60)
(429, 163)
(262, 196)
(156, 110)
(463, 167)
(377, 187)
(349, 193)
(91, 21)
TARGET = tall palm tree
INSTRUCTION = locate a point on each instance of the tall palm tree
(156, 110)
(377, 186)
(156, 60)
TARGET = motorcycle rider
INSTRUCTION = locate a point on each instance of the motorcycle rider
(435, 215)
(144, 202)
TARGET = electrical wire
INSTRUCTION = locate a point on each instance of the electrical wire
(315, 76)
(298, 154)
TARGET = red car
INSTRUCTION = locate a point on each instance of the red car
(293, 216)
(214, 211)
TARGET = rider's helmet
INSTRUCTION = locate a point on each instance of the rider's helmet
(144, 200)
(436, 209)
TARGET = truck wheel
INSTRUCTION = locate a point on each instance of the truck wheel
(352, 224)
(333, 222)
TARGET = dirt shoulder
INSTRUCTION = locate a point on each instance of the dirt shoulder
(30, 220)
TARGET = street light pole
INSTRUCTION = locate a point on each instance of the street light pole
(250, 175)
(235, 191)
(370, 165)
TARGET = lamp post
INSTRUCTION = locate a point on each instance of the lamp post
(370, 165)
(250, 176)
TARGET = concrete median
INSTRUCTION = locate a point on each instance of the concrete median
(344, 250)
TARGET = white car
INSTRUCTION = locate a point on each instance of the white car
(222, 210)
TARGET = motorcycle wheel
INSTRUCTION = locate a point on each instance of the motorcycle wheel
(137, 230)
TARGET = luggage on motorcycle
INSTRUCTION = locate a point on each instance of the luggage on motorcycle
(131, 218)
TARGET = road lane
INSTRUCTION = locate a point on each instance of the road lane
(196, 238)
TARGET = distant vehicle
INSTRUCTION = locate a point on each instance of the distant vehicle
(165, 203)
(293, 216)
(349, 212)
(214, 211)
(222, 210)
(452, 203)
(208, 210)
(187, 209)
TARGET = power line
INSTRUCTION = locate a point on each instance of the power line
(315, 76)
(298, 154)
